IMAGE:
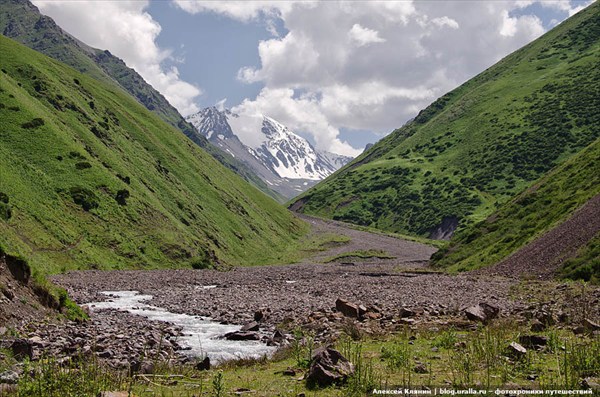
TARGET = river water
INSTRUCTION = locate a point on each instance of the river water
(201, 334)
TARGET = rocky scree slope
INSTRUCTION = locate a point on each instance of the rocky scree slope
(287, 162)
(22, 21)
(92, 179)
(551, 227)
(476, 147)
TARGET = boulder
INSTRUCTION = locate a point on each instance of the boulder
(251, 326)
(242, 335)
(483, 312)
(346, 308)
(328, 367)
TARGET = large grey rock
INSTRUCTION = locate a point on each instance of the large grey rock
(483, 312)
(348, 309)
(328, 367)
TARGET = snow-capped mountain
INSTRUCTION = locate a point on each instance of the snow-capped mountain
(286, 161)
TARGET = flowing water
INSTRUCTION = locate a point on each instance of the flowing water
(201, 335)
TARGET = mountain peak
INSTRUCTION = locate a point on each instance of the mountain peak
(276, 152)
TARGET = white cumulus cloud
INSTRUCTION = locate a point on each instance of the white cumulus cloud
(363, 36)
(129, 32)
(372, 65)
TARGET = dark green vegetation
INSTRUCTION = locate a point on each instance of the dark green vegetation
(112, 185)
(360, 254)
(536, 210)
(22, 21)
(476, 147)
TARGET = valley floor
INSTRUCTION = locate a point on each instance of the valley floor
(388, 276)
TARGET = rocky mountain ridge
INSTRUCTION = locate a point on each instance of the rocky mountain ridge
(287, 162)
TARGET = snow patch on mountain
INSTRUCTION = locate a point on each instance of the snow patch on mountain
(285, 154)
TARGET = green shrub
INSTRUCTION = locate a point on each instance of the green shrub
(122, 196)
(201, 262)
(84, 197)
(5, 211)
(37, 122)
(82, 165)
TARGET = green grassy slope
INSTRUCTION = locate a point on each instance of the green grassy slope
(546, 204)
(477, 146)
(89, 178)
(20, 20)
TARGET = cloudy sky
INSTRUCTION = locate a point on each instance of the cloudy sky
(342, 74)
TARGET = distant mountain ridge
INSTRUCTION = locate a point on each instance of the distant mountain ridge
(286, 161)
(20, 20)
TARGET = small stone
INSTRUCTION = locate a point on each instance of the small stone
(516, 350)
(258, 315)
(10, 377)
(116, 394)
(105, 354)
(546, 318)
(579, 330)
(589, 383)
(405, 313)
(251, 326)
(533, 341)
(421, 369)
(7, 390)
(22, 348)
(241, 335)
(289, 372)
(538, 326)
(203, 365)
(589, 325)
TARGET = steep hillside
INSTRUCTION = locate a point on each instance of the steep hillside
(528, 220)
(92, 179)
(20, 20)
(479, 145)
